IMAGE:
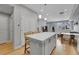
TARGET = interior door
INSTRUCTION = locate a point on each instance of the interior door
(4, 34)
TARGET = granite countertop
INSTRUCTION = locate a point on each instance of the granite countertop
(41, 36)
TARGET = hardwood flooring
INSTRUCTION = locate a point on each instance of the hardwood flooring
(61, 49)
(6, 48)
(64, 48)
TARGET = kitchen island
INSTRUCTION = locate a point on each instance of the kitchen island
(42, 43)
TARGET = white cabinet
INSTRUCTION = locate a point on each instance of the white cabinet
(42, 43)
(50, 44)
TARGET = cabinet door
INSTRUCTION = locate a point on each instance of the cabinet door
(47, 47)
(52, 43)
(36, 47)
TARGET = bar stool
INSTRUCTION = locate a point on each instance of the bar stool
(72, 37)
(27, 44)
(62, 39)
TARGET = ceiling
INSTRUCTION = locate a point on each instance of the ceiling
(75, 15)
(53, 12)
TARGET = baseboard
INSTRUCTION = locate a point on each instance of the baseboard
(17, 47)
(5, 42)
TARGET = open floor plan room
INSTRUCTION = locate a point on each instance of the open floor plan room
(39, 29)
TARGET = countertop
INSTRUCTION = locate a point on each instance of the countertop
(70, 33)
(41, 36)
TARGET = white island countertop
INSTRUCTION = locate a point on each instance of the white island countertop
(41, 36)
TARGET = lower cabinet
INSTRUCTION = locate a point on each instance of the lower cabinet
(43, 47)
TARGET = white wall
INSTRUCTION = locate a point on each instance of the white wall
(28, 22)
(4, 33)
(60, 26)
(5, 12)
(41, 23)
(75, 17)
(50, 25)
(76, 27)
(24, 21)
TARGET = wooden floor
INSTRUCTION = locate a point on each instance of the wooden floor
(64, 48)
(61, 49)
(6, 48)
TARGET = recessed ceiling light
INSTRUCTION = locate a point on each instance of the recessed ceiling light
(46, 14)
(45, 18)
(40, 16)
(65, 9)
(41, 10)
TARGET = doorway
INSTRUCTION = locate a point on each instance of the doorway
(4, 28)
(5, 41)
